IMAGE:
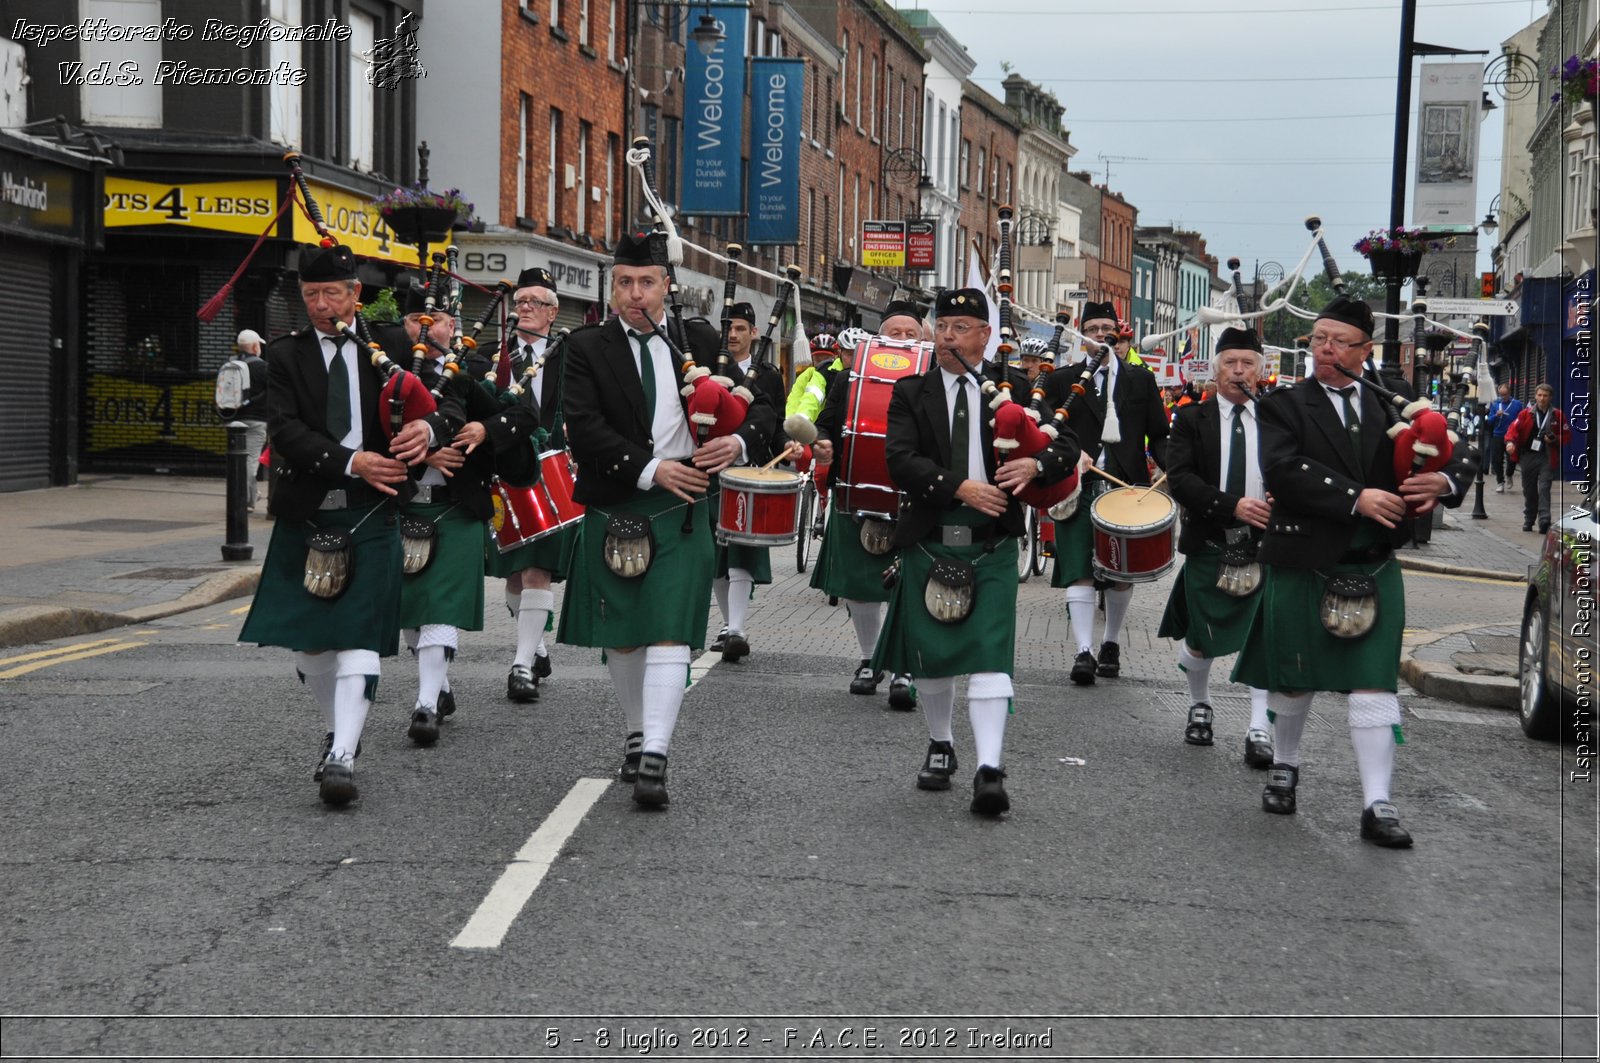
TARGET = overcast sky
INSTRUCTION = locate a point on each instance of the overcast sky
(1236, 118)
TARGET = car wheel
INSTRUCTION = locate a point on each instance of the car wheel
(1537, 704)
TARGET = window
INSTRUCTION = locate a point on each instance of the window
(1580, 184)
(813, 81)
(758, 36)
(861, 61)
(888, 101)
(611, 30)
(872, 101)
(811, 222)
(363, 31)
(671, 135)
(121, 105)
(983, 171)
(855, 216)
(283, 101)
(941, 167)
(555, 13)
(583, 197)
(900, 141)
(927, 130)
(553, 199)
(839, 221)
(966, 163)
(613, 144)
(827, 123)
(524, 168)
(583, 23)
(844, 71)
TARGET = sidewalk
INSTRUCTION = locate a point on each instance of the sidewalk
(118, 550)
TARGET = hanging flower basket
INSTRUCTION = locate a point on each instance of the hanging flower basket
(419, 215)
(1580, 81)
(1396, 254)
(1395, 265)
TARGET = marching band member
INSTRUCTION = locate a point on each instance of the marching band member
(1213, 462)
(953, 608)
(640, 581)
(844, 568)
(740, 568)
(329, 589)
(1333, 603)
(811, 383)
(1125, 395)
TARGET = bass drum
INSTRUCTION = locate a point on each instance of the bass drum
(861, 466)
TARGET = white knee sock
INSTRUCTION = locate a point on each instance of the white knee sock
(739, 587)
(627, 678)
(938, 698)
(357, 683)
(988, 704)
(1288, 721)
(1374, 748)
(1197, 670)
(513, 601)
(1116, 610)
(719, 588)
(666, 676)
(867, 618)
(318, 672)
(1258, 710)
(534, 610)
(1080, 608)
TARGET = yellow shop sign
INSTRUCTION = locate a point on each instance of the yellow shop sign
(227, 206)
(355, 222)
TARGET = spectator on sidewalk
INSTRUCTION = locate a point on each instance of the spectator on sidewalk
(253, 414)
(1534, 443)
(1503, 413)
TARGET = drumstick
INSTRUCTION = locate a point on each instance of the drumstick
(1108, 476)
(790, 448)
(1153, 486)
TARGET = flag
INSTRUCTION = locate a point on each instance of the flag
(976, 279)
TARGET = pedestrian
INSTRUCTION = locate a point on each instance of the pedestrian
(1534, 444)
(1332, 608)
(640, 582)
(1503, 413)
(253, 414)
(330, 588)
(953, 609)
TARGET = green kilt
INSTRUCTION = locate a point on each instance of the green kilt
(1074, 556)
(365, 617)
(553, 553)
(1212, 621)
(913, 641)
(450, 589)
(671, 602)
(1288, 649)
(844, 569)
(756, 560)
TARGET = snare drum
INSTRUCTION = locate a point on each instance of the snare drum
(1133, 534)
(523, 514)
(759, 507)
(861, 467)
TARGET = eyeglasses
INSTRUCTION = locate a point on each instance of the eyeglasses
(1322, 339)
(1099, 330)
(535, 302)
(959, 330)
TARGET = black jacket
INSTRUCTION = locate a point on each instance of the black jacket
(1194, 473)
(1140, 414)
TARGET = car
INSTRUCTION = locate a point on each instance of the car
(1556, 650)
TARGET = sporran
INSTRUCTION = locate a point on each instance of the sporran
(877, 536)
(1239, 574)
(417, 539)
(952, 587)
(1349, 605)
(628, 547)
(328, 563)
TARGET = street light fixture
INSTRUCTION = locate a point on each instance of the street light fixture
(708, 34)
(1489, 223)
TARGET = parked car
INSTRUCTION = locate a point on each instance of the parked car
(1556, 655)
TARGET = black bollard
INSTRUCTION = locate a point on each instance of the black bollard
(1478, 512)
(237, 546)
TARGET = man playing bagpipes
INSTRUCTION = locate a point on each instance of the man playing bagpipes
(953, 609)
(640, 582)
(1333, 602)
(329, 586)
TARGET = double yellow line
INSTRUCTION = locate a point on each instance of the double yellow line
(11, 667)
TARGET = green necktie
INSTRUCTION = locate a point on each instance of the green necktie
(338, 393)
(1352, 420)
(1236, 454)
(647, 371)
(959, 434)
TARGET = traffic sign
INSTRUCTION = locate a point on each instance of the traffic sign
(1473, 307)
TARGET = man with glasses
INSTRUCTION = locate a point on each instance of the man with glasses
(1119, 415)
(1333, 602)
(953, 609)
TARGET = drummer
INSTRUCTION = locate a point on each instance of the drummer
(1214, 465)
(741, 568)
(957, 532)
(845, 568)
(1113, 435)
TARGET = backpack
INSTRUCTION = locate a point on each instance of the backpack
(233, 387)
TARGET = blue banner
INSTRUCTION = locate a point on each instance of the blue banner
(776, 88)
(713, 117)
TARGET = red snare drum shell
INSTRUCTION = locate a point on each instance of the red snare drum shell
(861, 465)
(759, 507)
(525, 514)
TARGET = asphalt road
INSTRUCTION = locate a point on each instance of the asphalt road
(168, 867)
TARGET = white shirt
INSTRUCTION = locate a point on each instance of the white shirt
(352, 438)
(1338, 401)
(529, 351)
(1253, 487)
(976, 470)
(669, 428)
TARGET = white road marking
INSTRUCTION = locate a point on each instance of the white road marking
(488, 925)
(698, 669)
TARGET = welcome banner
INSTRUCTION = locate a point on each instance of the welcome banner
(777, 87)
(713, 117)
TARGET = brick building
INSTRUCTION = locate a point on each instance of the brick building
(1118, 218)
(993, 131)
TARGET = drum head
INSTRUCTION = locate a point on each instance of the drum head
(1133, 509)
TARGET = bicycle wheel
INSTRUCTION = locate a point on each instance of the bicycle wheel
(1030, 531)
(1036, 544)
(802, 543)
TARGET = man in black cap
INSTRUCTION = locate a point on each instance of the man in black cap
(329, 589)
(953, 610)
(1214, 465)
(640, 581)
(1333, 603)
(1119, 415)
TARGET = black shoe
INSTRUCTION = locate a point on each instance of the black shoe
(521, 686)
(937, 767)
(1278, 795)
(327, 747)
(1083, 669)
(866, 680)
(650, 787)
(541, 666)
(1258, 749)
(424, 729)
(902, 695)
(1380, 825)
(720, 643)
(1527, 527)
(338, 783)
(631, 749)
(1110, 663)
(1544, 526)
(1198, 731)
(989, 792)
(447, 704)
(735, 648)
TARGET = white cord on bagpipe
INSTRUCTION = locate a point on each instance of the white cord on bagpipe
(1207, 315)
